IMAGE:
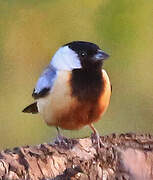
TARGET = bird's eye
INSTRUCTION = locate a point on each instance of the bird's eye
(83, 54)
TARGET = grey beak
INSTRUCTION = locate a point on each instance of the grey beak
(101, 55)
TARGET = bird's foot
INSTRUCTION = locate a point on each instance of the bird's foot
(64, 142)
(61, 140)
(96, 140)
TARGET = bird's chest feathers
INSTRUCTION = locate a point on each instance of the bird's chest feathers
(86, 85)
(58, 100)
(74, 99)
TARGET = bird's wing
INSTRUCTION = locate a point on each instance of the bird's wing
(45, 82)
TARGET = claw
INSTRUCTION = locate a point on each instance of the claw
(96, 138)
(60, 139)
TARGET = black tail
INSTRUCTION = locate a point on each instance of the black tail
(32, 108)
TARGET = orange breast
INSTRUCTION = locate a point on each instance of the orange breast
(78, 114)
(106, 93)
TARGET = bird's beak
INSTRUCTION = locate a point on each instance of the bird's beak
(101, 55)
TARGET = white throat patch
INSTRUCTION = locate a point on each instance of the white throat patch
(65, 59)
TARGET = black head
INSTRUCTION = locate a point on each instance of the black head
(90, 55)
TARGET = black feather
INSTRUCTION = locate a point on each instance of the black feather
(32, 108)
(87, 85)
(42, 93)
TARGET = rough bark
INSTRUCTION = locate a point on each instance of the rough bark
(123, 157)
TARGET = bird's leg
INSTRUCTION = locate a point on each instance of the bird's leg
(95, 137)
(58, 131)
(60, 139)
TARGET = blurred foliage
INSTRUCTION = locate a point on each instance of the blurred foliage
(30, 33)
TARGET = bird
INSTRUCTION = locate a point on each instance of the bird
(74, 90)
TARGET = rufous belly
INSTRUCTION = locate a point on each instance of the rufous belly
(60, 109)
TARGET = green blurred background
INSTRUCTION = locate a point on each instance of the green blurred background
(30, 33)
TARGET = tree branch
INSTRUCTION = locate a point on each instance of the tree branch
(123, 157)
